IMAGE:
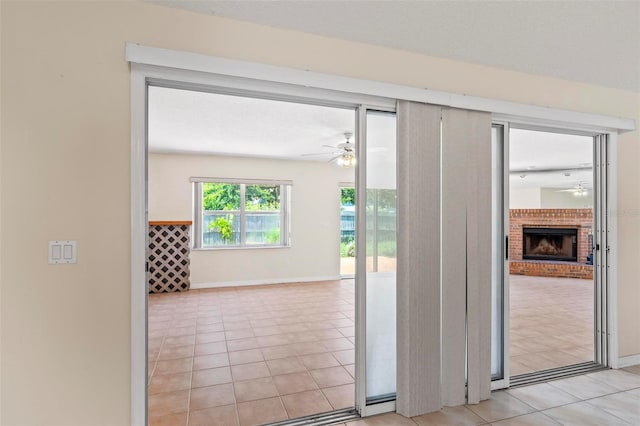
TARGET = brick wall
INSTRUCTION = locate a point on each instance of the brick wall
(540, 268)
(580, 219)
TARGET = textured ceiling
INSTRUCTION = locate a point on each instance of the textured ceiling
(595, 42)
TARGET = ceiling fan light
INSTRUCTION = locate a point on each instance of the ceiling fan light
(346, 160)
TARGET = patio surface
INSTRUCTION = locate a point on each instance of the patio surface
(252, 355)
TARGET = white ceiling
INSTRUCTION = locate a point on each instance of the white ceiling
(184, 121)
(596, 42)
(543, 159)
(198, 122)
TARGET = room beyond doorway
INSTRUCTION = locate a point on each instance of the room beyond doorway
(248, 321)
(551, 248)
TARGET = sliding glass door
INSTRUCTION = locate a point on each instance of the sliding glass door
(498, 296)
(549, 305)
(377, 256)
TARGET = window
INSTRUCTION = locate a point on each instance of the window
(241, 213)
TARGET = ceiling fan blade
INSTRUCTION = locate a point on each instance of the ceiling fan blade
(568, 190)
(334, 158)
(318, 153)
(330, 146)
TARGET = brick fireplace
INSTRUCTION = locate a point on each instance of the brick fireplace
(550, 242)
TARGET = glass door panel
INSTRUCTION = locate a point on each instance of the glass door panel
(497, 250)
(551, 228)
(380, 255)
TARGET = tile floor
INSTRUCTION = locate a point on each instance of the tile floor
(251, 355)
(551, 322)
(605, 398)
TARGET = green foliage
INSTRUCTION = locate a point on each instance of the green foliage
(386, 199)
(348, 196)
(220, 196)
(348, 249)
(272, 236)
(387, 248)
(224, 226)
(226, 196)
(262, 198)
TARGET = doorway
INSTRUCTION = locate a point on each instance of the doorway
(261, 327)
(264, 329)
(549, 298)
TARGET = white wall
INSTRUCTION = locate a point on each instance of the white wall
(525, 198)
(552, 199)
(65, 174)
(547, 198)
(315, 216)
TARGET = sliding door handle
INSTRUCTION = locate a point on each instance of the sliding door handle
(506, 247)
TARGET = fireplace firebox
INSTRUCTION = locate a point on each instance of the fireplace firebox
(555, 244)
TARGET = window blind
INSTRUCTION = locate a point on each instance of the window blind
(444, 257)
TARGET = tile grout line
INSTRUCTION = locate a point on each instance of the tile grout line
(155, 363)
(193, 355)
(606, 411)
(320, 315)
(562, 405)
(233, 388)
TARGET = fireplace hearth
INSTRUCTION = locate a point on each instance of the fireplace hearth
(551, 244)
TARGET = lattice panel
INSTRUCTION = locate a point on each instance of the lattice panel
(169, 258)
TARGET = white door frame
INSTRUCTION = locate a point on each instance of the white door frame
(503, 200)
(191, 68)
(608, 189)
(141, 78)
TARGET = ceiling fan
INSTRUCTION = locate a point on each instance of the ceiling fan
(578, 191)
(344, 154)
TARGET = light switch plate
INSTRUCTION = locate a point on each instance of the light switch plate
(63, 251)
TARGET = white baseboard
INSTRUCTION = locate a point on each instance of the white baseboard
(198, 286)
(628, 361)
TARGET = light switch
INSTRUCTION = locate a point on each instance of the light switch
(62, 251)
(68, 252)
(55, 252)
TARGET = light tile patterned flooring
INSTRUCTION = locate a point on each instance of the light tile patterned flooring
(551, 322)
(252, 355)
(605, 398)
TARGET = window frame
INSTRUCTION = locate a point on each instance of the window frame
(197, 242)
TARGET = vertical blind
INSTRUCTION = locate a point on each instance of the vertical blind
(444, 257)
(418, 276)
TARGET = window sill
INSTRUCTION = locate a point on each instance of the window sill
(239, 248)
